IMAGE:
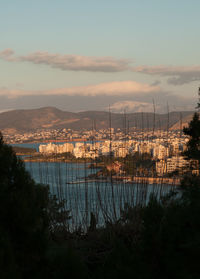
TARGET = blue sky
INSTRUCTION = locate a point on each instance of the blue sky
(82, 50)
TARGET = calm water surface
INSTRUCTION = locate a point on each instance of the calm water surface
(105, 199)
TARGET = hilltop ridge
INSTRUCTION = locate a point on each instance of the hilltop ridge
(53, 118)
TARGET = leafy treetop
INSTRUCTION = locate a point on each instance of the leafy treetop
(193, 145)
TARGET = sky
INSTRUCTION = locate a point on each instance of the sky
(91, 55)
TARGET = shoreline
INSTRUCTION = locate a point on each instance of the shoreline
(126, 179)
(54, 160)
(157, 180)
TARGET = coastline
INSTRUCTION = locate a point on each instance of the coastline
(157, 180)
(53, 159)
(37, 157)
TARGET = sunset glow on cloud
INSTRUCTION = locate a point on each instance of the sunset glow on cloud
(118, 88)
(118, 52)
(178, 74)
(69, 62)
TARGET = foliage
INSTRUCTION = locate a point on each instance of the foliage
(27, 213)
(58, 216)
(193, 145)
(23, 215)
(139, 164)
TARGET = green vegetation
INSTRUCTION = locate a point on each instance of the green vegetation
(57, 157)
(132, 165)
(26, 211)
(24, 150)
(193, 145)
(23, 217)
(139, 164)
(159, 240)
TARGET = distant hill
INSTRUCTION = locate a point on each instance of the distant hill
(53, 118)
(183, 122)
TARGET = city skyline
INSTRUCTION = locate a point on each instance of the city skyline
(86, 56)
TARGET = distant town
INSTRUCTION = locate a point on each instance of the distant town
(64, 135)
(164, 147)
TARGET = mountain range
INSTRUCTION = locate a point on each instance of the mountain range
(53, 118)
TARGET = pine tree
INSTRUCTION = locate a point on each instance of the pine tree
(24, 218)
(193, 145)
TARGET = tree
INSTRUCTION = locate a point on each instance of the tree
(193, 145)
(24, 219)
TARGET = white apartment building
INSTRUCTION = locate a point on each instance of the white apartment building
(56, 148)
(85, 150)
(119, 148)
(171, 164)
(160, 151)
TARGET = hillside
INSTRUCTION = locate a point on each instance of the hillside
(183, 122)
(53, 118)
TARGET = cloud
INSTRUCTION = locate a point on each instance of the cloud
(77, 63)
(117, 88)
(70, 62)
(7, 54)
(156, 82)
(178, 75)
(19, 84)
(132, 106)
(130, 102)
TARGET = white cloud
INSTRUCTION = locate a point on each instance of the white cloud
(132, 106)
(77, 62)
(70, 62)
(178, 75)
(117, 88)
(7, 54)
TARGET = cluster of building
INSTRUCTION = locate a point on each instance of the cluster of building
(166, 153)
(12, 136)
(169, 165)
(158, 148)
(52, 148)
(46, 135)
(165, 147)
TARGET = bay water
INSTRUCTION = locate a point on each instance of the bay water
(82, 195)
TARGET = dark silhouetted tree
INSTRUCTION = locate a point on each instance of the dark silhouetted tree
(193, 145)
(24, 220)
